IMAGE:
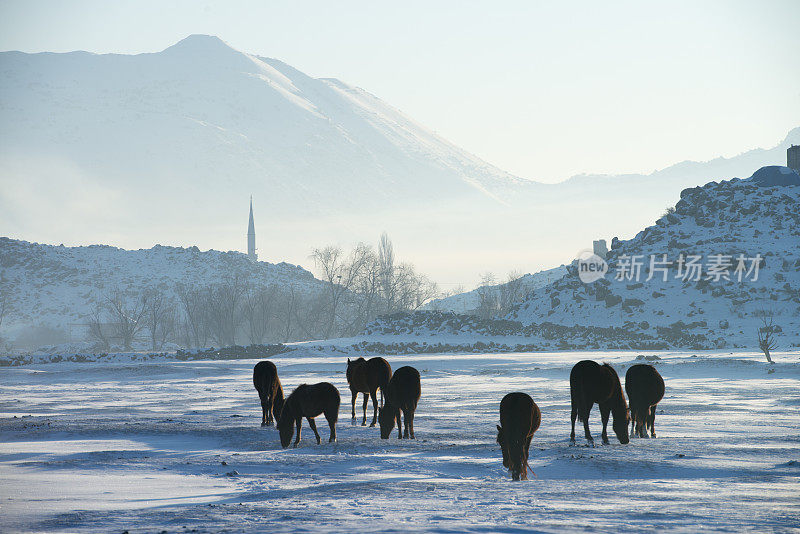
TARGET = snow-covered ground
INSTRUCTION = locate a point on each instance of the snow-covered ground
(177, 446)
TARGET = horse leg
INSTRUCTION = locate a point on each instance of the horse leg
(366, 400)
(644, 422)
(374, 407)
(313, 426)
(406, 422)
(399, 425)
(573, 416)
(653, 421)
(299, 423)
(584, 416)
(411, 425)
(331, 417)
(353, 403)
(268, 409)
(604, 413)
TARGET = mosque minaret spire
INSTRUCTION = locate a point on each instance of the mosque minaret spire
(251, 235)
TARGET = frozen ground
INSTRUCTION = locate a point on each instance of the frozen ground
(140, 447)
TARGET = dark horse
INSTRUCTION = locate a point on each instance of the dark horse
(266, 381)
(590, 382)
(519, 419)
(402, 393)
(645, 388)
(309, 401)
(366, 376)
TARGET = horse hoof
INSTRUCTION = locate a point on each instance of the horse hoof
(653, 435)
(363, 423)
(372, 425)
(263, 424)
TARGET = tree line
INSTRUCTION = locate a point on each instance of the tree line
(357, 286)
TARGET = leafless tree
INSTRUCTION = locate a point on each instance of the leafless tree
(489, 305)
(386, 272)
(126, 315)
(340, 272)
(96, 332)
(511, 292)
(258, 310)
(159, 317)
(223, 304)
(766, 334)
(195, 314)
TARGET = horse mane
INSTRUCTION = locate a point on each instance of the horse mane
(621, 403)
(613, 371)
(288, 405)
(278, 401)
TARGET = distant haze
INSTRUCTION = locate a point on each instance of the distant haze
(542, 90)
(167, 146)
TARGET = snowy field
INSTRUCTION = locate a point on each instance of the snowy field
(177, 447)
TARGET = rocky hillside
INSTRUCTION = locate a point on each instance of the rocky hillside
(53, 288)
(732, 262)
(726, 262)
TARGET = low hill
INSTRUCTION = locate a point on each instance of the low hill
(54, 289)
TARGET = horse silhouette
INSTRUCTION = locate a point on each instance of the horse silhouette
(309, 401)
(589, 383)
(520, 417)
(402, 394)
(645, 389)
(366, 376)
(270, 391)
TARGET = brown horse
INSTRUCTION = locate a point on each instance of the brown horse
(309, 401)
(589, 383)
(402, 393)
(645, 388)
(519, 419)
(266, 381)
(366, 376)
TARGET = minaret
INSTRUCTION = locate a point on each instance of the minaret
(251, 235)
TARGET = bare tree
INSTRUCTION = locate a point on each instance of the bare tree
(126, 315)
(195, 314)
(340, 273)
(766, 334)
(223, 303)
(386, 274)
(159, 317)
(489, 305)
(511, 292)
(96, 331)
(258, 312)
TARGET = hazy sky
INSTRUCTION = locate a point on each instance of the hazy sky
(542, 90)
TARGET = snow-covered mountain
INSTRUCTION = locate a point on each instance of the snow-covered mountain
(722, 294)
(207, 117)
(167, 147)
(53, 289)
(725, 263)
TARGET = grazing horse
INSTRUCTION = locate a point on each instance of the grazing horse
(645, 388)
(266, 381)
(589, 383)
(519, 419)
(366, 376)
(402, 393)
(309, 401)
